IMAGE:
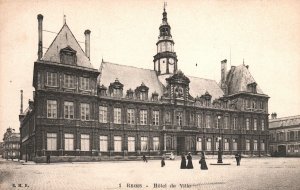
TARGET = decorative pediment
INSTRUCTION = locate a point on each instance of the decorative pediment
(116, 84)
(142, 92)
(142, 88)
(116, 88)
(178, 78)
(206, 96)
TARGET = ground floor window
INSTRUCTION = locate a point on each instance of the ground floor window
(51, 141)
(155, 143)
(262, 145)
(255, 145)
(234, 144)
(85, 142)
(144, 143)
(247, 145)
(103, 144)
(208, 144)
(69, 141)
(131, 144)
(217, 144)
(226, 144)
(117, 143)
(199, 144)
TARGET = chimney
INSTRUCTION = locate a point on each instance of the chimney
(87, 43)
(40, 29)
(30, 103)
(21, 109)
(223, 70)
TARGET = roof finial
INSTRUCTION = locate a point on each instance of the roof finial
(243, 62)
(65, 19)
(165, 4)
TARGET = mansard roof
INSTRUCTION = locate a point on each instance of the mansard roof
(64, 39)
(198, 86)
(238, 78)
(285, 122)
(130, 77)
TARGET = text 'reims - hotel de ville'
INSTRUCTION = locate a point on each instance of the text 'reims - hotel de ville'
(82, 113)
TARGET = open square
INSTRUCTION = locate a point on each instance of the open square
(254, 173)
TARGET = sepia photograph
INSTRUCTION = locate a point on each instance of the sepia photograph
(149, 94)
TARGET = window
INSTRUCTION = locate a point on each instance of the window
(51, 141)
(51, 109)
(179, 118)
(130, 116)
(117, 143)
(52, 79)
(262, 125)
(85, 111)
(207, 121)
(234, 144)
(69, 110)
(168, 117)
(226, 122)
(199, 120)
(247, 124)
(131, 144)
(103, 143)
(117, 115)
(143, 95)
(199, 144)
(255, 124)
(155, 117)
(85, 142)
(247, 145)
(226, 144)
(234, 123)
(208, 144)
(155, 143)
(143, 117)
(102, 114)
(84, 83)
(217, 144)
(255, 145)
(69, 141)
(69, 81)
(117, 92)
(144, 143)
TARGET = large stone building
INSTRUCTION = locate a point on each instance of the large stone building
(122, 111)
(11, 144)
(285, 136)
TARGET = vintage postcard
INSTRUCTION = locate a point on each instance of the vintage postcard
(149, 94)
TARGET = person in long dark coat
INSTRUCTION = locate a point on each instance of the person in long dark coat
(237, 158)
(163, 162)
(190, 163)
(144, 158)
(183, 162)
(202, 162)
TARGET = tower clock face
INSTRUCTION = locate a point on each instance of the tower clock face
(171, 61)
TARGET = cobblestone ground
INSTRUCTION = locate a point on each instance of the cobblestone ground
(254, 173)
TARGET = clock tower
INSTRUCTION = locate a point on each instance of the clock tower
(165, 60)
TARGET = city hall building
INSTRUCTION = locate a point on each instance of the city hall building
(119, 111)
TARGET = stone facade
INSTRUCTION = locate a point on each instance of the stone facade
(11, 144)
(125, 112)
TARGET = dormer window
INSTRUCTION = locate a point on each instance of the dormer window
(207, 99)
(142, 92)
(129, 94)
(252, 87)
(68, 56)
(155, 96)
(102, 90)
(116, 89)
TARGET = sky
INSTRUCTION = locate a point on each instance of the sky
(263, 33)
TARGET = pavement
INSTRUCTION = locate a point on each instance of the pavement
(254, 173)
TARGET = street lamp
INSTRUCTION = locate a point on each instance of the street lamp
(219, 138)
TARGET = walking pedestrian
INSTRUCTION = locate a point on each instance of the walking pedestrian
(48, 159)
(163, 162)
(190, 163)
(238, 158)
(183, 162)
(202, 162)
(144, 158)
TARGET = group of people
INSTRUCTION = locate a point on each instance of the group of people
(189, 165)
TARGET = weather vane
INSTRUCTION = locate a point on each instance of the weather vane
(165, 4)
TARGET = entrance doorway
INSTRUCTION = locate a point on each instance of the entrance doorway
(180, 145)
(281, 150)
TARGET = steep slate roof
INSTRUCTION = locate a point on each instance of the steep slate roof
(285, 122)
(130, 77)
(198, 86)
(238, 78)
(63, 39)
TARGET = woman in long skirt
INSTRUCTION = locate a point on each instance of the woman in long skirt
(183, 162)
(190, 163)
(202, 162)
